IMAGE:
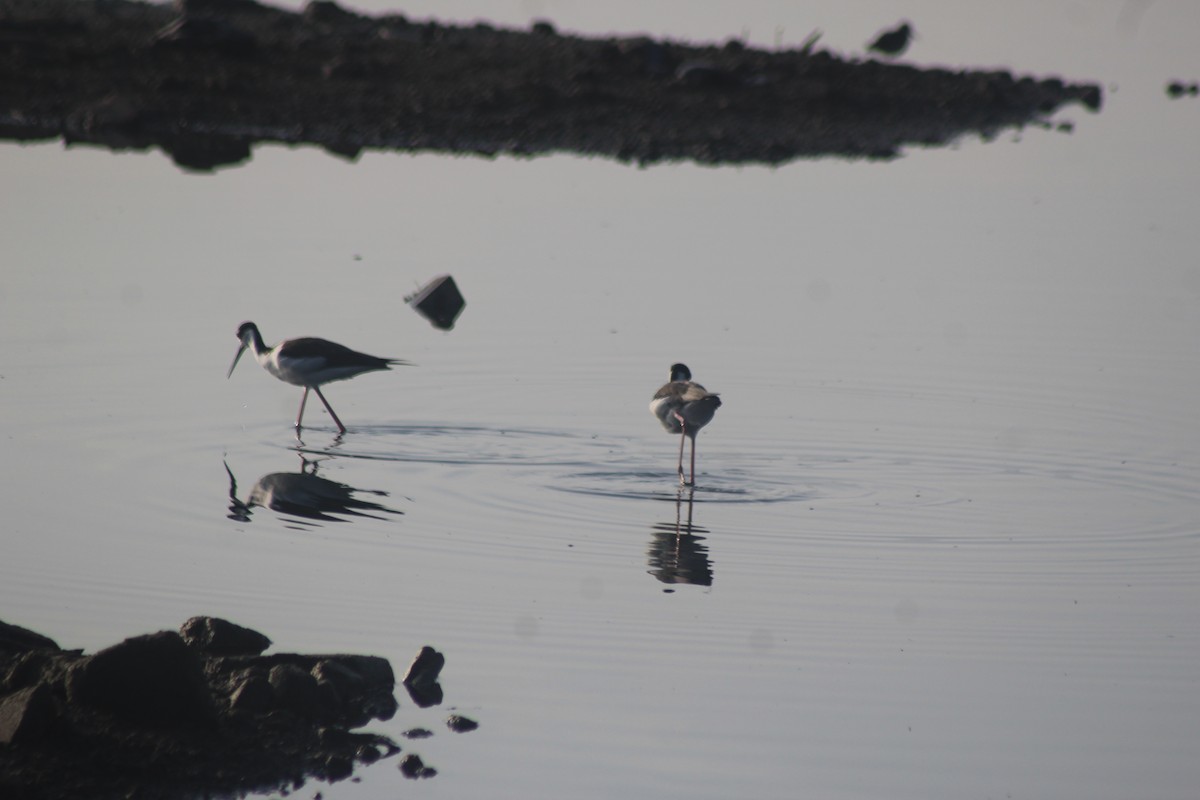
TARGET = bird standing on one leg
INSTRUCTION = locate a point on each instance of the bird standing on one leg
(309, 363)
(684, 407)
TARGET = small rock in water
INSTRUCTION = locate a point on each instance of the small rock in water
(417, 733)
(421, 678)
(1178, 89)
(413, 767)
(425, 668)
(460, 724)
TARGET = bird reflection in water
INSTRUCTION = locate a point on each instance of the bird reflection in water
(677, 553)
(306, 495)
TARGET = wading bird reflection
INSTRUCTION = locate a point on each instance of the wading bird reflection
(677, 553)
(305, 495)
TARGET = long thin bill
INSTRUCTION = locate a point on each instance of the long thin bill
(241, 350)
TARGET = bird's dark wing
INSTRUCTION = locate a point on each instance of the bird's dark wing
(332, 352)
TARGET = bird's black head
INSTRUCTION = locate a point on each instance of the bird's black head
(244, 329)
(680, 372)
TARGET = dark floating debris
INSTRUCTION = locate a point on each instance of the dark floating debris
(193, 714)
(439, 301)
(207, 80)
(894, 42)
(1178, 89)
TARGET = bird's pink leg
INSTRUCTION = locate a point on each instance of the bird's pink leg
(329, 408)
(303, 400)
(693, 482)
(682, 436)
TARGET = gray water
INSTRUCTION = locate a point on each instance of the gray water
(944, 541)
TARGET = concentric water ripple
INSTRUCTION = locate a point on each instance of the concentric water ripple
(1034, 487)
(478, 445)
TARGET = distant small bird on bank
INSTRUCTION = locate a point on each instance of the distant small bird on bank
(684, 407)
(894, 42)
(308, 362)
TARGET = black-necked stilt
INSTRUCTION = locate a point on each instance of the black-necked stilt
(684, 407)
(894, 42)
(309, 363)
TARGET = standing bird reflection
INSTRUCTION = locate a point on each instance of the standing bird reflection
(308, 362)
(684, 407)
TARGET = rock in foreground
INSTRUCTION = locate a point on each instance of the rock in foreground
(165, 715)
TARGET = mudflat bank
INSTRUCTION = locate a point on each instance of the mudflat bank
(206, 80)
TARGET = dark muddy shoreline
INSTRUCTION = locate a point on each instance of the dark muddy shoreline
(206, 80)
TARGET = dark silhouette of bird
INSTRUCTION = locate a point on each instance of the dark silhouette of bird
(894, 42)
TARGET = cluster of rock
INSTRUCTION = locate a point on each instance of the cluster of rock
(191, 713)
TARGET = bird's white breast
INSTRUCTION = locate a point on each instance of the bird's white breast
(296, 371)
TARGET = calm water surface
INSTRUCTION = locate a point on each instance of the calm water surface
(946, 537)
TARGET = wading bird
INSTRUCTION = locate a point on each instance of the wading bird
(309, 363)
(684, 407)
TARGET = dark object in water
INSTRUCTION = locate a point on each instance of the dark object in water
(192, 714)
(421, 679)
(1178, 89)
(461, 724)
(425, 668)
(894, 42)
(439, 301)
(417, 733)
(413, 767)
